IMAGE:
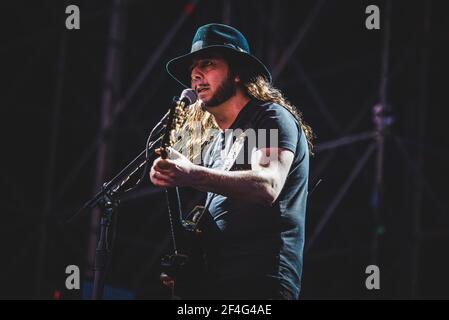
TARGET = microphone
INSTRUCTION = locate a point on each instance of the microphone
(188, 97)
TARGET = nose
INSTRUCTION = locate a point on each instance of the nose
(196, 75)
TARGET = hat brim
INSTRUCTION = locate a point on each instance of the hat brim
(178, 68)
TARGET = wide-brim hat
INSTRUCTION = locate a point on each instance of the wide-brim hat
(218, 38)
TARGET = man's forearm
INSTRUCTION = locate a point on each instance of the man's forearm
(250, 185)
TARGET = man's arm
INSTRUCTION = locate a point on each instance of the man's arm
(262, 184)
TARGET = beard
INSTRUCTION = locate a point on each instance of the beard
(226, 90)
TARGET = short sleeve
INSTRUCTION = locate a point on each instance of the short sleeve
(281, 128)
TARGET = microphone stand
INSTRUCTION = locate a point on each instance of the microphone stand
(108, 200)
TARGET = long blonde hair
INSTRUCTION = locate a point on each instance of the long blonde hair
(195, 132)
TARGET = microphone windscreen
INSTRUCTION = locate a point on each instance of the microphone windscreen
(189, 96)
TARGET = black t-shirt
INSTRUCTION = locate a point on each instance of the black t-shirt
(252, 239)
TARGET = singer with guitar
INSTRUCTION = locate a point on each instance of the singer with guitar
(258, 204)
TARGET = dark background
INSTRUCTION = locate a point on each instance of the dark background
(52, 95)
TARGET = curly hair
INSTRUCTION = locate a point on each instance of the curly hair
(259, 88)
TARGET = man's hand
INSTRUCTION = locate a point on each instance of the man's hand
(176, 170)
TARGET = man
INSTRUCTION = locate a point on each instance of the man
(258, 204)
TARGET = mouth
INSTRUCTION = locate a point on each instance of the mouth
(201, 90)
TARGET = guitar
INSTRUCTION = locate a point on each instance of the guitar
(173, 264)
(198, 223)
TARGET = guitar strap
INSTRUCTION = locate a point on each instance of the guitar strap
(194, 221)
(238, 143)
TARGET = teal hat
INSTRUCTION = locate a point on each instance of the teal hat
(216, 37)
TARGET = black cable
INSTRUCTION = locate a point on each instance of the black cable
(181, 217)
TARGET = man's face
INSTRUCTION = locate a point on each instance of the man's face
(212, 80)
